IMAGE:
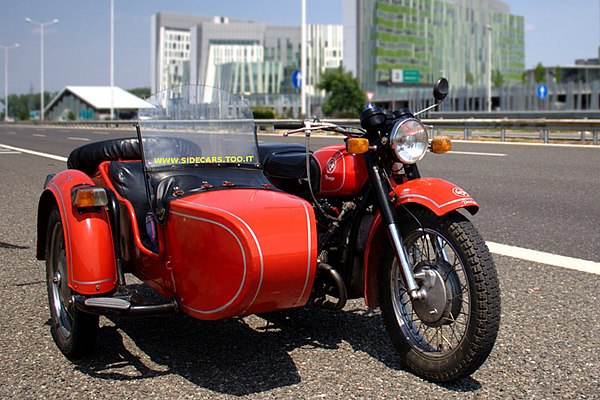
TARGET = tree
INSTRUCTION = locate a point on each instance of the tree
(539, 73)
(497, 78)
(20, 105)
(142, 93)
(470, 78)
(558, 74)
(344, 96)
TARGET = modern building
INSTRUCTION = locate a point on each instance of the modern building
(390, 44)
(250, 58)
(93, 103)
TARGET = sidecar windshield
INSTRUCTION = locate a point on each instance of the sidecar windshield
(197, 126)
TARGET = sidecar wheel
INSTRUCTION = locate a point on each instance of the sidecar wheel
(73, 331)
(450, 334)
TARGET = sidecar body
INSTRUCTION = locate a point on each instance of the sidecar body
(184, 206)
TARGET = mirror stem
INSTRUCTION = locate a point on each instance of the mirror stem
(437, 103)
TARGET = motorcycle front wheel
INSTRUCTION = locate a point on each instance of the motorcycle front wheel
(449, 334)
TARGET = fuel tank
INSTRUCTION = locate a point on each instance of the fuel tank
(342, 173)
(241, 251)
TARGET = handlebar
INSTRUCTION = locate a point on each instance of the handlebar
(311, 126)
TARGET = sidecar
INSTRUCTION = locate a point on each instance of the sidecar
(184, 207)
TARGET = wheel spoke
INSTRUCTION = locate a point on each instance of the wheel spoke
(429, 249)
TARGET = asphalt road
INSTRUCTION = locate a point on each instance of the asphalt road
(541, 198)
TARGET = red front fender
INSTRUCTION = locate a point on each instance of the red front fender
(438, 195)
(88, 239)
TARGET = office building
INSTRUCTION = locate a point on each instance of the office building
(392, 44)
(250, 58)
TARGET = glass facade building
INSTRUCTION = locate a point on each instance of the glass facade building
(244, 57)
(410, 43)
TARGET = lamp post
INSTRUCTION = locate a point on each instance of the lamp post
(112, 59)
(42, 25)
(304, 73)
(6, 48)
(489, 68)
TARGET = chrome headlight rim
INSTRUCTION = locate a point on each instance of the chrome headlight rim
(409, 140)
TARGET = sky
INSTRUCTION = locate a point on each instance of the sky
(77, 48)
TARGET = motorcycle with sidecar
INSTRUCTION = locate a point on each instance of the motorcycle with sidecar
(221, 225)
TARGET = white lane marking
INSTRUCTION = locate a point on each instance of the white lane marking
(12, 133)
(39, 135)
(2, 151)
(81, 139)
(580, 146)
(545, 258)
(35, 153)
(496, 248)
(475, 153)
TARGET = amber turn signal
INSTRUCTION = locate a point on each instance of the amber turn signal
(441, 146)
(87, 196)
(357, 145)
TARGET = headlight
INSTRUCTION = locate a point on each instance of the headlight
(409, 140)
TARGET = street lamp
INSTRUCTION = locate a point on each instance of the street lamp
(41, 25)
(489, 68)
(112, 59)
(6, 48)
(304, 73)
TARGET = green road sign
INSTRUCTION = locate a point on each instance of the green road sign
(405, 76)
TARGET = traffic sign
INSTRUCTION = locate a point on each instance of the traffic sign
(542, 91)
(297, 79)
(405, 76)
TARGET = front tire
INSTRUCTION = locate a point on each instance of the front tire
(451, 333)
(73, 331)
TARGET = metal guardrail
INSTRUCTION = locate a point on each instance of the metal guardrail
(542, 129)
(560, 129)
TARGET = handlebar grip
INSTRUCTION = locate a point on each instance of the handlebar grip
(288, 125)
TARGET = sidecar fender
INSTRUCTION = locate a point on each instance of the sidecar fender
(89, 245)
(438, 195)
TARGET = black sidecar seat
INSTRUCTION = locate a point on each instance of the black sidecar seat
(86, 158)
(287, 162)
(129, 181)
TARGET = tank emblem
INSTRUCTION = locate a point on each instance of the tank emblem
(331, 164)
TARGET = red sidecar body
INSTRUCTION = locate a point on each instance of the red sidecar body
(185, 208)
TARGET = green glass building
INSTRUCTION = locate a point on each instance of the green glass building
(410, 43)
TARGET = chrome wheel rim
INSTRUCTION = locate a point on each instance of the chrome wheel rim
(60, 292)
(429, 250)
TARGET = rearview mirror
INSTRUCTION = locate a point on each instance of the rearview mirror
(440, 90)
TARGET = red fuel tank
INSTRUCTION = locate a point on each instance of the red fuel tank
(342, 173)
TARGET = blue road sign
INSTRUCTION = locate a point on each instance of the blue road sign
(542, 91)
(297, 79)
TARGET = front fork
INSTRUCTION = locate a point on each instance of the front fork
(387, 211)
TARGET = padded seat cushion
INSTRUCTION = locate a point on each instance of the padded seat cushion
(86, 158)
(287, 161)
(128, 180)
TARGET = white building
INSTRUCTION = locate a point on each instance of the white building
(250, 58)
(93, 103)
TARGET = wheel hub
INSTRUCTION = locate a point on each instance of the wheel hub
(442, 302)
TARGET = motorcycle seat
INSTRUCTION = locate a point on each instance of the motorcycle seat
(285, 160)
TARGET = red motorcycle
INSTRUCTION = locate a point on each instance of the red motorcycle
(219, 226)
